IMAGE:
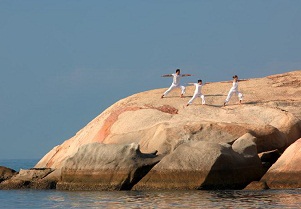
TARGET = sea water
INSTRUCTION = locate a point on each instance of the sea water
(144, 199)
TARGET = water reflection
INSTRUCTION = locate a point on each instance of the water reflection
(151, 199)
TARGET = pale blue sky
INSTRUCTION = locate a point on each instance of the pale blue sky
(63, 62)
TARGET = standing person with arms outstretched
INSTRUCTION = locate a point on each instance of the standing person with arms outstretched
(175, 82)
(234, 89)
(197, 92)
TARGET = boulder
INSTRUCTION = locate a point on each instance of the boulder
(245, 145)
(204, 165)
(98, 166)
(6, 173)
(286, 172)
(29, 179)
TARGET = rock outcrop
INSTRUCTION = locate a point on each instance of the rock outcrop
(99, 166)
(205, 165)
(270, 113)
(197, 147)
(6, 173)
(30, 179)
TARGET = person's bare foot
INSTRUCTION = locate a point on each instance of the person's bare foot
(181, 96)
(162, 96)
(240, 102)
(187, 105)
(224, 104)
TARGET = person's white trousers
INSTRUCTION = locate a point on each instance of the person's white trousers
(195, 96)
(173, 86)
(231, 92)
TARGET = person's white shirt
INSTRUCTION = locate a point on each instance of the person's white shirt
(197, 93)
(198, 88)
(176, 79)
(234, 86)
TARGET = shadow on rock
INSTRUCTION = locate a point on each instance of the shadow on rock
(206, 165)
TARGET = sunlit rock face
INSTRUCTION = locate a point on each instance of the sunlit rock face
(286, 172)
(269, 118)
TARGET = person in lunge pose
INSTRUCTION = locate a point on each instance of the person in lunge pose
(175, 82)
(197, 92)
(234, 89)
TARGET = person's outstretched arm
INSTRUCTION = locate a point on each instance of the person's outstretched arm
(183, 75)
(167, 75)
(190, 83)
(231, 81)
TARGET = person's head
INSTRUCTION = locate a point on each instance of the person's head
(200, 82)
(235, 77)
(178, 71)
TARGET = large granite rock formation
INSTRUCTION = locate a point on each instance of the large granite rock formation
(198, 147)
(270, 112)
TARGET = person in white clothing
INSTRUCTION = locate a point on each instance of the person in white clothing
(234, 89)
(197, 92)
(175, 82)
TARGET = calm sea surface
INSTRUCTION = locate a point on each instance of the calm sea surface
(144, 199)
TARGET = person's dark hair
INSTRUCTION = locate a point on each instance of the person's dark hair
(200, 81)
(235, 76)
(177, 70)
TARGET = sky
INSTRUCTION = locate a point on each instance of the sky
(63, 62)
